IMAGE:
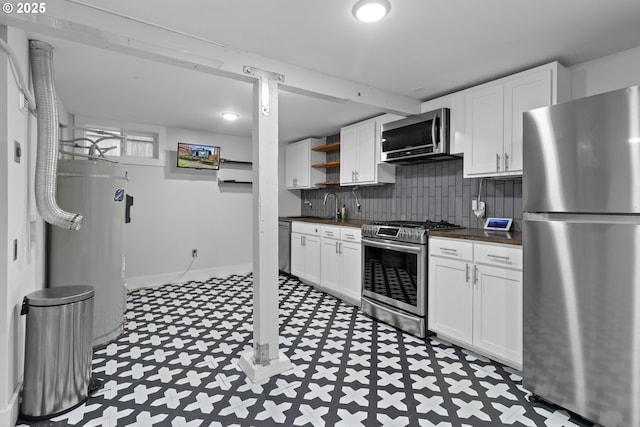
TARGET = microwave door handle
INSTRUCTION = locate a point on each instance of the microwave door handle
(433, 133)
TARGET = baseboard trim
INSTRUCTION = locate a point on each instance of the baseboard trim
(9, 414)
(202, 274)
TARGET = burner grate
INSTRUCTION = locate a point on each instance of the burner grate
(426, 225)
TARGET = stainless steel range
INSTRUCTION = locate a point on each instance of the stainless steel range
(394, 276)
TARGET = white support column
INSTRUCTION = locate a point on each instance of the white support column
(265, 360)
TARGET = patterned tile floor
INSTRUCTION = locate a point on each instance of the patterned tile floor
(176, 365)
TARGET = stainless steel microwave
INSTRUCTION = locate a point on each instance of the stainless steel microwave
(417, 138)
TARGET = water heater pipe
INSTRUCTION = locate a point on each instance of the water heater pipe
(48, 134)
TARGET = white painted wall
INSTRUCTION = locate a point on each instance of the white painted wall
(176, 210)
(605, 74)
(25, 274)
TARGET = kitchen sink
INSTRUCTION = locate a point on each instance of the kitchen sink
(305, 217)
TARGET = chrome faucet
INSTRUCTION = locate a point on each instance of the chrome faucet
(307, 202)
(324, 202)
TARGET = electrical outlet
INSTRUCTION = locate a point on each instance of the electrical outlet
(194, 253)
(23, 104)
(478, 208)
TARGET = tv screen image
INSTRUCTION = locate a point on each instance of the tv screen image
(196, 156)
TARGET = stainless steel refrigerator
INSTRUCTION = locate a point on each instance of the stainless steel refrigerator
(581, 202)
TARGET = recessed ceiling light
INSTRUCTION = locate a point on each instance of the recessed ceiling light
(230, 116)
(371, 10)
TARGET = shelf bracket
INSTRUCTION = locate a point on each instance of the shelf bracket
(264, 77)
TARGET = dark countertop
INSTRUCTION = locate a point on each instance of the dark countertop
(509, 238)
(506, 237)
(356, 223)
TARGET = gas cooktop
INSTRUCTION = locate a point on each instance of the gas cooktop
(426, 225)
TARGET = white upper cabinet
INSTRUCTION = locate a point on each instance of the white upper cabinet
(360, 153)
(484, 123)
(522, 94)
(493, 117)
(298, 160)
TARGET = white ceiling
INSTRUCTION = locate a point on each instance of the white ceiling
(423, 48)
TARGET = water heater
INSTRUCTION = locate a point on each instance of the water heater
(95, 254)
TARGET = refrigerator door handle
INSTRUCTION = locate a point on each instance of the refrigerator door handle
(497, 162)
(506, 161)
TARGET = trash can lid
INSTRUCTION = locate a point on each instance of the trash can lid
(59, 295)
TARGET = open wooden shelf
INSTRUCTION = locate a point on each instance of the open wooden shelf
(334, 146)
(334, 164)
(328, 183)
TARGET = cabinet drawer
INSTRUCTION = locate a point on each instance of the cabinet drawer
(330, 232)
(305, 228)
(451, 248)
(350, 234)
(499, 255)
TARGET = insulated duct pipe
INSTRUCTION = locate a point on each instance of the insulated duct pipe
(41, 55)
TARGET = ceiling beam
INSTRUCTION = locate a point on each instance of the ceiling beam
(179, 49)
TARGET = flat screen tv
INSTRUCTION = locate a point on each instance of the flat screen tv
(196, 156)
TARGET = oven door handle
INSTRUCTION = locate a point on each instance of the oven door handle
(406, 247)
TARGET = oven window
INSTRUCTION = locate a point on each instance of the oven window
(392, 274)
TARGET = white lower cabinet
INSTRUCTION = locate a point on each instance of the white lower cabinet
(305, 251)
(340, 262)
(329, 257)
(352, 270)
(475, 296)
(497, 314)
(450, 298)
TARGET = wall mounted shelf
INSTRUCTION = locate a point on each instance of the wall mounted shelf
(233, 181)
(235, 168)
(334, 164)
(334, 146)
(235, 162)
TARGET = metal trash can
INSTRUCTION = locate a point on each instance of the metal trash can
(58, 350)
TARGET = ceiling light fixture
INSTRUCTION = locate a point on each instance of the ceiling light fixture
(371, 10)
(230, 116)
